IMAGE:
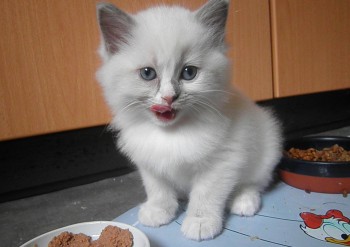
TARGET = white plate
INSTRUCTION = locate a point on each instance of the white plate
(92, 229)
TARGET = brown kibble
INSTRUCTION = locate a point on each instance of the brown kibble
(335, 153)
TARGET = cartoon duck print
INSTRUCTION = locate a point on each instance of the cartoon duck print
(333, 227)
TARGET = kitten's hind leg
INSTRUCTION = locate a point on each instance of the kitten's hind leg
(246, 201)
(161, 205)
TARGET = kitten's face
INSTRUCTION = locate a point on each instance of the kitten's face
(166, 69)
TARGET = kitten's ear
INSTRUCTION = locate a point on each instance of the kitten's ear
(115, 26)
(214, 14)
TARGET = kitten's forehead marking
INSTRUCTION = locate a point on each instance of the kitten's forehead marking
(169, 81)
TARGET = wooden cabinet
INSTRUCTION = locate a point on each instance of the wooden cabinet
(311, 45)
(250, 38)
(48, 56)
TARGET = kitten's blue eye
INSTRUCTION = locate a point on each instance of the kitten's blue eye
(148, 73)
(188, 73)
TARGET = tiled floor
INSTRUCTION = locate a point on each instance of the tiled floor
(22, 220)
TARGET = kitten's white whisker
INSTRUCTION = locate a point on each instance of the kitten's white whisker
(127, 107)
(208, 106)
(194, 109)
(219, 91)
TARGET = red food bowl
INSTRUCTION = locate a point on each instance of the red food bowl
(316, 176)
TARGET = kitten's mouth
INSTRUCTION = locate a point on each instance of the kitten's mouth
(163, 112)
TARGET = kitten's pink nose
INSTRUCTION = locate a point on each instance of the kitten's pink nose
(169, 99)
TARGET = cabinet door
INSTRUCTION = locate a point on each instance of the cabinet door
(47, 67)
(48, 60)
(250, 39)
(311, 45)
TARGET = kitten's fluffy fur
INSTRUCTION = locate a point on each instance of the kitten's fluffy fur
(219, 149)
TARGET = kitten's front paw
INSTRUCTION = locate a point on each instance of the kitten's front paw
(200, 228)
(246, 203)
(155, 216)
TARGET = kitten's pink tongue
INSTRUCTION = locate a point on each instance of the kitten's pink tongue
(163, 112)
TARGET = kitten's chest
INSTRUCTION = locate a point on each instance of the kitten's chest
(177, 151)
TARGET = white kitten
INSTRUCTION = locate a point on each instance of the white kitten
(166, 79)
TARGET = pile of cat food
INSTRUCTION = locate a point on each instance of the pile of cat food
(335, 153)
(111, 236)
